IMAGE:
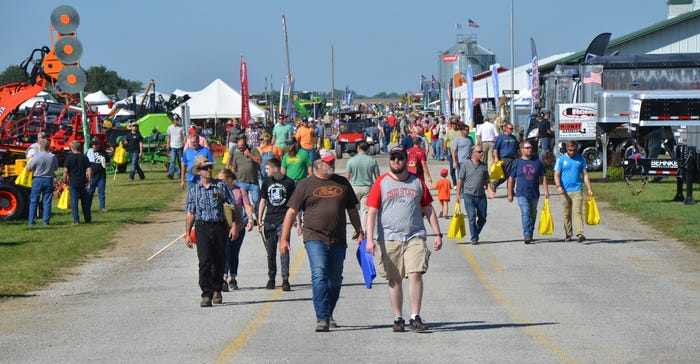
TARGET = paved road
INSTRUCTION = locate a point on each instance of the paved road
(628, 295)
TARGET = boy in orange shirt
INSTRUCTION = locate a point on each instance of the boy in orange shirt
(443, 186)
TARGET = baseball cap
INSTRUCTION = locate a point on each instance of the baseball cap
(443, 172)
(327, 155)
(397, 150)
(310, 119)
(417, 140)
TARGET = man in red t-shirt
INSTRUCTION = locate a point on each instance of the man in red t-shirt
(417, 161)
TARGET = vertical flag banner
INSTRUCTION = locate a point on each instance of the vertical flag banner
(494, 79)
(535, 80)
(470, 95)
(245, 97)
(473, 24)
(425, 89)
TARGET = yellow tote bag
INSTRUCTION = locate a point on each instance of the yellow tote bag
(64, 200)
(224, 160)
(592, 215)
(24, 178)
(546, 226)
(119, 154)
(394, 136)
(497, 171)
(457, 228)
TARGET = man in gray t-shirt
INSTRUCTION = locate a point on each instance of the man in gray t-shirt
(474, 176)
(461, 147)
(43, 165)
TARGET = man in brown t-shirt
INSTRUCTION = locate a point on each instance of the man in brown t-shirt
(324, 197)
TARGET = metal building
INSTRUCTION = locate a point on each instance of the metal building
(456, 59)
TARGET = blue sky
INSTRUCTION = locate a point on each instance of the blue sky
(379, 45)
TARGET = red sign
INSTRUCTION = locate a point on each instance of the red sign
(245, 107)
(451, 58)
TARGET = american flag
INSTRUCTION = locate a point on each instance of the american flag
(592, 77)
(473, 24)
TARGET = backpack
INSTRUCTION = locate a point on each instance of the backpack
(266, 156)
(413, 162)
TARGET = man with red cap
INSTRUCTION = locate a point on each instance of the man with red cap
(324, 197)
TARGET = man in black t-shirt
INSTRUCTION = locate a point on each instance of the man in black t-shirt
(99, 160)
(76, 174)
(275, 193)
(135, 148)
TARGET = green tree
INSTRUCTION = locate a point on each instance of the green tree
(100, 78)
(12, 74)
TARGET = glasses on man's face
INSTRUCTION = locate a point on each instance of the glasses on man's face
(478, 151)
(570, 150)
(527, 147)
(509, 128)
(205, 168)
(399, 158)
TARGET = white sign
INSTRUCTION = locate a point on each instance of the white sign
(577, 121)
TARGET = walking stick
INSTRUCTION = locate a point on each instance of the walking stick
(166, 247)
(262, 236)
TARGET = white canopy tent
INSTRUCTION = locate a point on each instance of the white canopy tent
(97, 98)
(218, 101)
(41, 96)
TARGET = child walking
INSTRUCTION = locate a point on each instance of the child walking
(443, 186)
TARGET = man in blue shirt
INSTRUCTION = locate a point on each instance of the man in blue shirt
(527, 173)
(187, 178)
(504, 149)
(569, 172)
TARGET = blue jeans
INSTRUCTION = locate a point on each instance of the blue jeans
(326, 276)
(135, 167)
(528, 214)
(452, 169)
(475, 207)
(253, 190)
(175, 161)
(436, 151)
(441, 144)
(99, 183)
(80, 193)
(311, 152)
(41, 188)
(233, 248)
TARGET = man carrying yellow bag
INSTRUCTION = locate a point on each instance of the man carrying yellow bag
(569, 172)
(474, 176)
(43, 165)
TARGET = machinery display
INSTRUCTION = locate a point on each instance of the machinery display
(57, 66)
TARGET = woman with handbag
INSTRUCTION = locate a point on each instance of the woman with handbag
(233, 247)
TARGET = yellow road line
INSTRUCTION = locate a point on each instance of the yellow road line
(233, 347)
(492, 259)
(515, 313)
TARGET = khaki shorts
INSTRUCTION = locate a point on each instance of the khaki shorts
(399, 258)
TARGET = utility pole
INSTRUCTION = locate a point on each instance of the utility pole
(289, 69)
(332, 75)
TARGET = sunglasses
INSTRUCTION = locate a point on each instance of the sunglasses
(527, 147)
(205, 168)
(478, 151)
(571, 150)
(397, 158)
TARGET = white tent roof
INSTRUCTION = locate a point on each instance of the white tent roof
(218, 100)
(41, 96)
(179, 93)
(140, 96)
(97, 97)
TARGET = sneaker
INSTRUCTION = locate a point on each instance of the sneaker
(142, 178)
(224, 287)
(567, 238)
(233, 284)
(475, 242)
(218, 299)
(270, 284)
(287, 287)
(417, 324)
(170, 176)
(399, 325)
(322, 326)
(581, 238)
(103, 210)
(206, 302)
(528, 241)
(441, 214)
(332, 324)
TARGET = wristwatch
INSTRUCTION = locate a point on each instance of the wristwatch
(439, 235)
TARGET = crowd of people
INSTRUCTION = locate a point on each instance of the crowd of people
(283, 178)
